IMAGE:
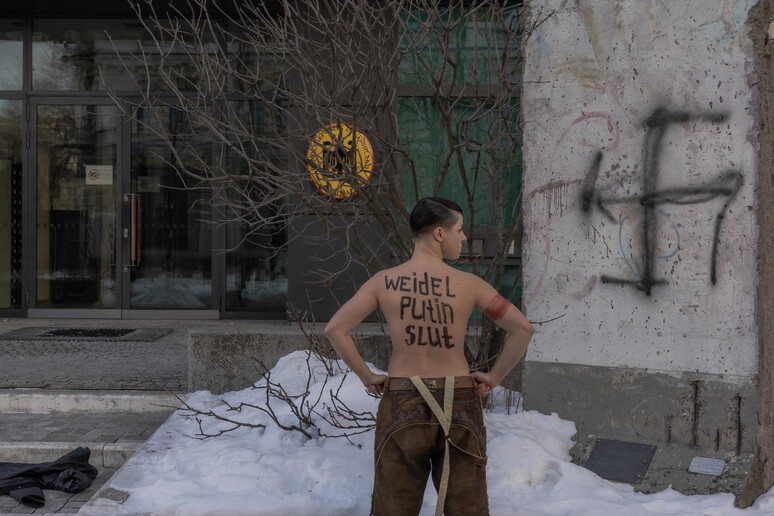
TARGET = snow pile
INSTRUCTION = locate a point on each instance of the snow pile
(270, 471)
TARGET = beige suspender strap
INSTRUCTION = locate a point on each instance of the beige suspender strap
(444, 417)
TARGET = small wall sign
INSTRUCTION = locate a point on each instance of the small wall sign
(99, 174)
(707, 466)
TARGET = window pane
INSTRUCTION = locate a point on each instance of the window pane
(257, 66)
(10, 55)
(484, 47)
(10, 203)
(73, 55)
(489, 146)
(172, 265)
(76, 206)
(256, 272)
(491, 156)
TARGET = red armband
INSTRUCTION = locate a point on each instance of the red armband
(497, 307)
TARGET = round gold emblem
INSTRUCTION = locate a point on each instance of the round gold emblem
(339, 156)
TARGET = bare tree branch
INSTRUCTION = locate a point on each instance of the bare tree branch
(434, 86)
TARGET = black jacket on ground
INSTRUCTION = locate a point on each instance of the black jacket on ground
(70, 473)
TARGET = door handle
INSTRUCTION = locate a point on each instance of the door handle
(135, 240)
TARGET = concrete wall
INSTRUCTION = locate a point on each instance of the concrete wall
(223, 361)
(640, 228)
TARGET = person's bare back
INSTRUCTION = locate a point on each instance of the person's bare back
(426, 306)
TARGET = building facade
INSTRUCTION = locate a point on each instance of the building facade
(641, 219)
(97, 218)
(642, 138)
(94, 221)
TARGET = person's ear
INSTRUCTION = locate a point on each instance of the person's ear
(438, 233)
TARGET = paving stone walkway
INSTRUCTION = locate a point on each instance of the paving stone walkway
(80, 428)
(90, 365)
(160, 365)
(85, 428)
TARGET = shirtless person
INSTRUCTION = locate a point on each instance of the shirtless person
(426, 304)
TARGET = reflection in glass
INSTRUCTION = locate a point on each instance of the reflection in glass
(260, 67)
(10, 55)
(76, 206)
(10, 203)
(256, 271)
(173, 268)
(89, 55)
(477, 47)
(496, 159)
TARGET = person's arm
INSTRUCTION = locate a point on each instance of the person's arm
(343, 322)
(519, 332)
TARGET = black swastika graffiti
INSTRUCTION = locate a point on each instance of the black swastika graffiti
(651, 196)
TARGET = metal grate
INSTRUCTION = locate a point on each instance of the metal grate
(620, 461)
(88, 332)
(55, 334)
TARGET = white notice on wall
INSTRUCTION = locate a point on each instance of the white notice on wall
(707, 466)
(99, 174)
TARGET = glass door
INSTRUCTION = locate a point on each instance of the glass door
(170, 230)
(10, 204)
(118, 232)
(76, 186)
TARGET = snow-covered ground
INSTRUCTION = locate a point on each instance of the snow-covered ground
(270, 471)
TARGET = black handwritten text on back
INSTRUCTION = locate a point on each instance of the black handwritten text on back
(425, 304)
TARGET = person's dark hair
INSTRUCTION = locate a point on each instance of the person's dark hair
(432, 212)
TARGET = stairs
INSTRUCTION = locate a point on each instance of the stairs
(39, 425)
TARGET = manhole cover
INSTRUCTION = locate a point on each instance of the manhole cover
(88, 332)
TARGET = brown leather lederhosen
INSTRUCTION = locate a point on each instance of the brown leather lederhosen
(413, 440)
